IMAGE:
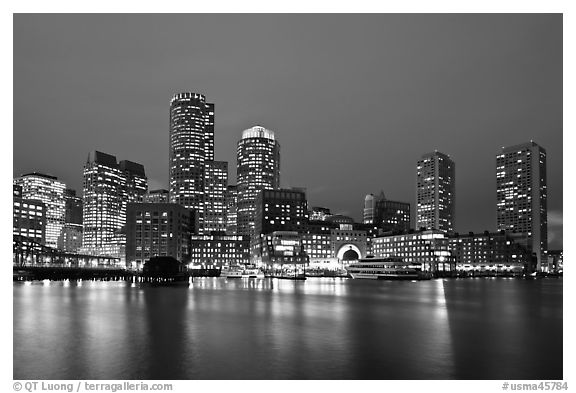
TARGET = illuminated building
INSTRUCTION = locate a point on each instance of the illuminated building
(435, 192)
(29, 217)
(429, 248)
(281, 248)
(555, 261)
(521, 196)
(280, 210)
(390, 215)
(157, 196)
(157, 229)
(231, 210)
(191, 145)
(368, 209)
(108, 187)
(319, 213)
(258, 159)
(49, 190)
(218, 250)
(215, 196)
(488, 253)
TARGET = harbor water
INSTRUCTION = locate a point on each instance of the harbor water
(321, 328)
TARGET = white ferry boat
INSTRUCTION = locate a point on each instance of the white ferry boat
(391, 268)
(241, 272)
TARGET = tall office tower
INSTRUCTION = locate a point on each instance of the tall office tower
(231, 210)
(521, 196)
(215, 189)
(70, 239)
(435, 192)
(391, 215)
(258, 169)
(136, 181)
(191, 144)
(108, 187)
(49, 190)
(368, 209)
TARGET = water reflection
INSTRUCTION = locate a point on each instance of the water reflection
(281, 329)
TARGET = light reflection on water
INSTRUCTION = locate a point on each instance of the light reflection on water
(321, 328)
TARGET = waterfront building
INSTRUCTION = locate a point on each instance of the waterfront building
(431, 249)
(49, 190)
(280, 210)
(215, 196)
(157, 229)
(157, 196)
(258, 159)
(191, 145)
(435, 192)
(280, 250)
(319, 213)
(368, 209)
(29, 217)
(108, 187)
(231, 210)
(218, 250)
(521, 196)
(317, 244)
(555, 261)
(488, 253)
(70, 239)
(348, 244)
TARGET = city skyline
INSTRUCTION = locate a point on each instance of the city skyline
(323, 150)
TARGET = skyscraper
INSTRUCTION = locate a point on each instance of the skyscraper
(435, 192)
(368, 209)
(521, 196)
(70, 239)
(49, 190)
(215, 190)
(108, 187)
(258, 169)
(191, 145)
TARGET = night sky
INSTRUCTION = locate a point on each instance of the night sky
(354, 99)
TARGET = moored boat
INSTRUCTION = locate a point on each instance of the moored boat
(390, 268)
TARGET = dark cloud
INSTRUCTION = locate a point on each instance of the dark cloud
(355, 99)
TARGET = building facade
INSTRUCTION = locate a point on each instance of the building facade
(231, 210)
(29, 217)
(390, 215)
(488, 253)
(435, 192)
(521, 196)
(318, 213)
(215, 190)
(258, 160)
(157, 229)
(107, 188)
(368, 216)
(49, 190)
(280, 210)
(191, 145)
(157, 196)
(430, 249)
(218, 250)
